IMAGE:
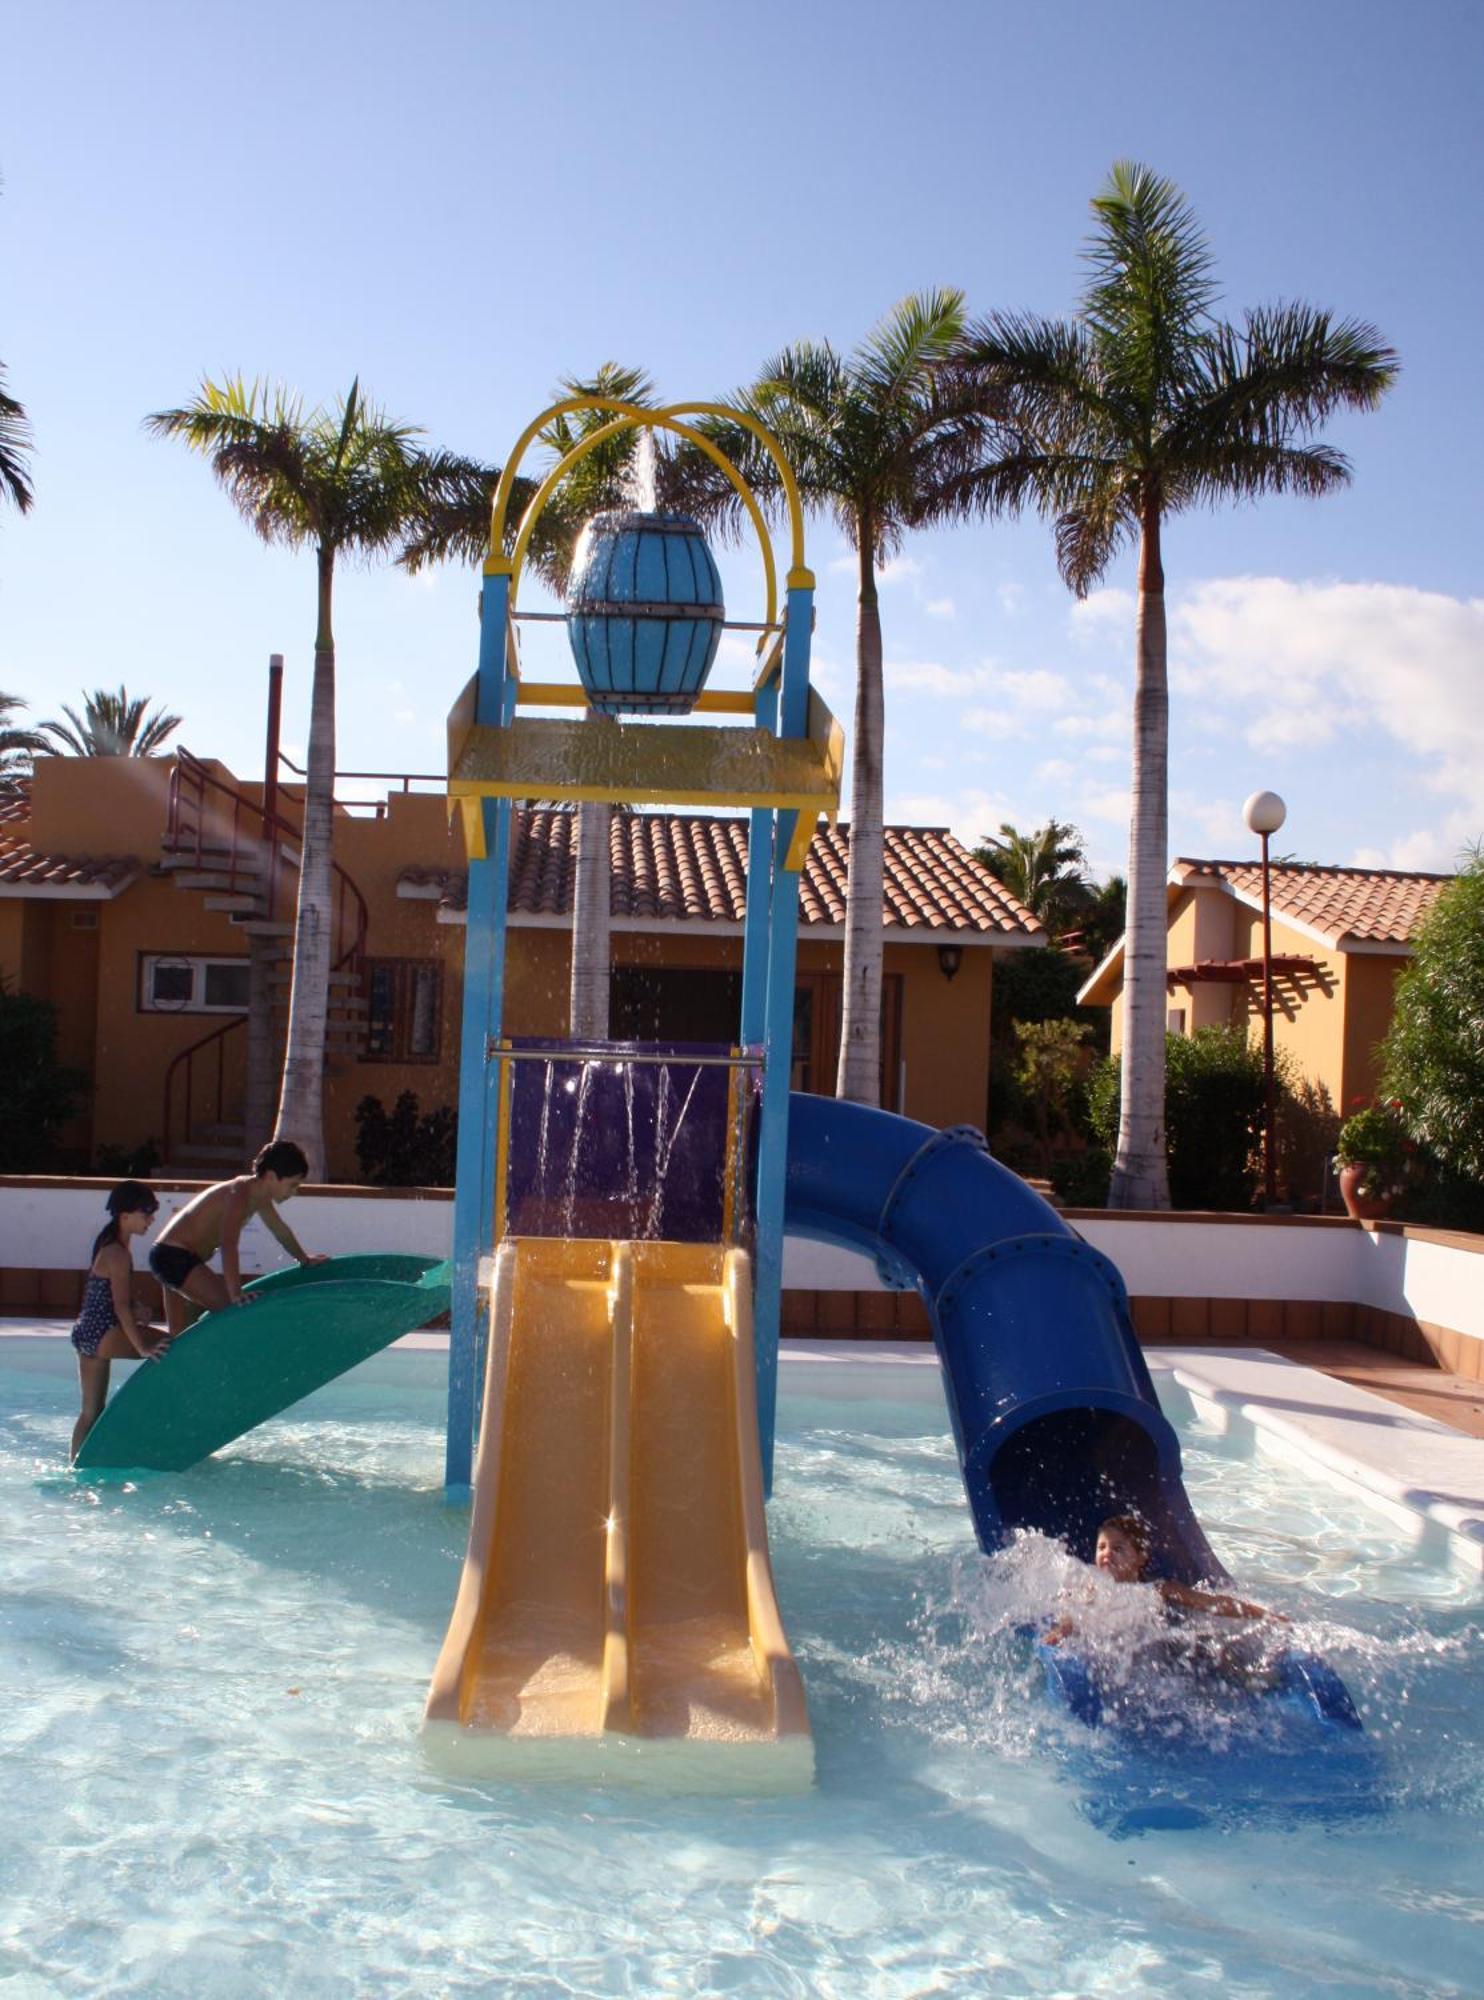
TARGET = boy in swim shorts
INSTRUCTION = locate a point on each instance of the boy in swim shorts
(214, 1220)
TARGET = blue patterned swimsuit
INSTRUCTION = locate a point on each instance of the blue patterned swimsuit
(96, 1317)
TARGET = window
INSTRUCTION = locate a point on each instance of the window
(182, 983)
(404, 1020)
(1175, 1021)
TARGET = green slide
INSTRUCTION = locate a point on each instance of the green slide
(235, 1369)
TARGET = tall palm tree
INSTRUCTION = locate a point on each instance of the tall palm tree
(111, 725)
(1045, 870)
(17, 745)
(880, 441)
(455, 523)
(15, 448)
(1141, 406)
(342, 479)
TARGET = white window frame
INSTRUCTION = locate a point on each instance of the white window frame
(198, 963)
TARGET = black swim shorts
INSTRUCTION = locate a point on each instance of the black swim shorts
(172, 1264)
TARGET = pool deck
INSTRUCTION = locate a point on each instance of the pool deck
(1416, 1448)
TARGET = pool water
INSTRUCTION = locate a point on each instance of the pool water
(213, 1684)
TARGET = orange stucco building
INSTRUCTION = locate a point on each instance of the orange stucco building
(144, 897)
(1340, 936)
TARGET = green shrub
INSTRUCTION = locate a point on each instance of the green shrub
(1432, 1060)
(124, 1163)
(406, 1149)
(1213, 1115)
(38, 1094)
(1080, 1180)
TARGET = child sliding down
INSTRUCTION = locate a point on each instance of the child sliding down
(1186, 1634)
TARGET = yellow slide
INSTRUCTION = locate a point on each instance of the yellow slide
(616, 1614)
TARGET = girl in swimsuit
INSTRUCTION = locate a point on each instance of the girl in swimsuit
(109, 1327)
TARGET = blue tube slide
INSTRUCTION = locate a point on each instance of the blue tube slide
(1054, 1414)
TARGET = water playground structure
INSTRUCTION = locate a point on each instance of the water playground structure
(619, 1221)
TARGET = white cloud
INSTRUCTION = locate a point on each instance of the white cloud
(1112, 804)
(1107, 723)
(1012, 597)
(1097, 618)
(1055, 771)
(1304, 664)
(996, 722)
(969, 814)
(940, 607)
(899, 569)
(1035, 689)
(934, 678)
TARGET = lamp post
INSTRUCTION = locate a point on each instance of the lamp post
(1264, 813)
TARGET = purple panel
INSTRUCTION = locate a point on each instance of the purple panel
(607, 1146)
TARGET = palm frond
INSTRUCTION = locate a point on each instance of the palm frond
(113, 724)
(1152, 286)
(896, 356)
(15, 448)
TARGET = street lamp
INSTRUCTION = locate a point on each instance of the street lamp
(1264, 813)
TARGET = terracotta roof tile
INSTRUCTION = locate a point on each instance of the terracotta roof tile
(683, 867)
(1344, 905)
(25, 872)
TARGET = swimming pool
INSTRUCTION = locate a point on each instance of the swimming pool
(213, 1685)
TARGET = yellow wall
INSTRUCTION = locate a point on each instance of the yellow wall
(1370, 987)
(1328, 1021)
(118, 806)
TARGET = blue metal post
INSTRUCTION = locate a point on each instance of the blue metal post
(783, 939)
(759, 900)
(483, 1009)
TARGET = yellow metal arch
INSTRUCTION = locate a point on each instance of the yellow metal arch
(655, 420)
(496, 562)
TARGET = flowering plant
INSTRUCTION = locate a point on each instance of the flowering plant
(1376, 1140)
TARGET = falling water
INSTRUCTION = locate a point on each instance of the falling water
(579, 1125)
(665, 1137)
(641, 479)
(631, 1178)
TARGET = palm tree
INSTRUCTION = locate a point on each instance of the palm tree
(455, 523)
(1141, 406)
(341, 479)
(880, 440)
(15, 447)
(17, 745)
(111, 725)
(1045, 870)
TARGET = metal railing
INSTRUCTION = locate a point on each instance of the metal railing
(404, 781)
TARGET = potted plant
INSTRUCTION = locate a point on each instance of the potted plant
(1372, 1159)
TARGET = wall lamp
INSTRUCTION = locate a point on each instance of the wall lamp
(950, 958)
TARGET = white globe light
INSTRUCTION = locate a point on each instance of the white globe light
(1264, 812)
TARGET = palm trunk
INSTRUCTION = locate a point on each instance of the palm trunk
(591, 947)
(258, 1096)
(859, 1077)
(301, 1111)
(1140, 1172)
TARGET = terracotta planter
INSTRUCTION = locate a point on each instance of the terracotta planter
(1364, 1207)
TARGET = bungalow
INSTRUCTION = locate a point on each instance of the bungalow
(1340, 936)
(149, 899)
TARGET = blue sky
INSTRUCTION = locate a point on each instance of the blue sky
(463, 202)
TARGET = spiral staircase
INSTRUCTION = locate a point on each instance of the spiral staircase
(241, 856)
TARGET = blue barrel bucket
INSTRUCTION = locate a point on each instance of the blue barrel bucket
(644, 613)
